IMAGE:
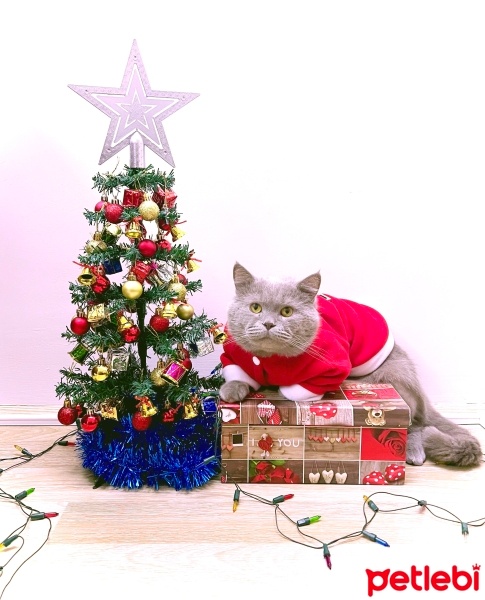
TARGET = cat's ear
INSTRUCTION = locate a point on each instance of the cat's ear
(242, 277)
(311, 284)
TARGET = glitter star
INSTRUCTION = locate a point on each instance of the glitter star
(135, 107)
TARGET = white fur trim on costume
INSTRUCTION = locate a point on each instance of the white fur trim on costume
(376, 361)
(297, 393)
(235, 373)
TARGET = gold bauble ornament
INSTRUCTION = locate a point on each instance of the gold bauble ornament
(132, 288)
(100, 371)
(149, 210)
(185, 311)
(178, 289)
(111, 233)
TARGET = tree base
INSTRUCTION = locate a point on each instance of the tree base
(183, 455)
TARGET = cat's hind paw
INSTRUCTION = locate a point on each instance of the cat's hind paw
(234, 391)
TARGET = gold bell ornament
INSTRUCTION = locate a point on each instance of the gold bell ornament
(192, 263)
(176, 232)
(87, 277)
(177, 288)
(123, 322)
(149, 210)
(132, 288)
(145, 406)
(108, 411)
(100, 371)
(169, 310)
(134, 230)
(96, 244)
(219, 336)
(191, 408)
(156, 375)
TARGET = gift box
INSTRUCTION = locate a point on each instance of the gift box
(355, 435)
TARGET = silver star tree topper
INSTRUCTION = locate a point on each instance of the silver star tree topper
(136, 112)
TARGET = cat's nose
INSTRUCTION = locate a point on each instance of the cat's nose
(268, 325)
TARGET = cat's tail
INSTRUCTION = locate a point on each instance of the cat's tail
(441, 440)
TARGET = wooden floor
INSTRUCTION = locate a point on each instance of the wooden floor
(119, 543)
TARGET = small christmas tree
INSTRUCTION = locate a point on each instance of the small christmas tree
(139, 424)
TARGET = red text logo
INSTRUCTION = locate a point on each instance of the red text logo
(423, 579)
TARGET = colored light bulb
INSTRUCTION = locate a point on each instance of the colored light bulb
(373, 537)
(235, 502)
(308, 520)
(282, 498)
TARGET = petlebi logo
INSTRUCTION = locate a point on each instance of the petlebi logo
(424, 579)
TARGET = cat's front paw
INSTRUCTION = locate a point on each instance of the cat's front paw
(415, 454)
(234, 391)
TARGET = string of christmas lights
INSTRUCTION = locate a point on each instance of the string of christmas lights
(16, 537)
(315, 543)
(26, 456)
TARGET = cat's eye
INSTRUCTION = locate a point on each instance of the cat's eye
(286, 311)
(255, 307)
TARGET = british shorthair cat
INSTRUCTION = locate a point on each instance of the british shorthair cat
(286, 334)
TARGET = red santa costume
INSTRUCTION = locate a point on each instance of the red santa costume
(352, 340)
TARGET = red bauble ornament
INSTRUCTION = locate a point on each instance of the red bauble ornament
(112, 212)
(98, 207)
(89, 423)
(140, 423)
(131, 335)
(79, 324)
(183, 280)
(159, 323)
(67, 414)
(165, 245)
(187, 363)
(147, 248)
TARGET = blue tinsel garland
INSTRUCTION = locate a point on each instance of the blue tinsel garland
(182, 455)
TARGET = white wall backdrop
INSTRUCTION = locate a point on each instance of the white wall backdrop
(342, 136)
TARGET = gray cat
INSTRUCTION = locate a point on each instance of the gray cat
(285, 334)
